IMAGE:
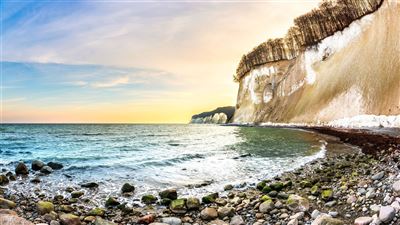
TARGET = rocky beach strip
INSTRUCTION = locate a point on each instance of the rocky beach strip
(354, 188)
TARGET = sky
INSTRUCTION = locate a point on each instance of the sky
(129, 61)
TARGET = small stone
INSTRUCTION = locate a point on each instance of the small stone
(170, 194)
(90, 185)
(327, 195)
(293, 222)
(396, 187)
(37, 165)
(228, 187)
(209, 213)
(55, 165)
(192, 203)
(375, 208)
(327, 220)
(149, 199)
(237, 220)
(46, 170)
(363, 220)
(127, 188)
(4, 180)
(378, 176)
(69, 219)
(387, 213)
(226, 212)
(210, 198)
(44, 207)
(266, 206)
(100, 221)
(112, 202)
(97, 212)
(35, 180)
(21, 169)
(315, 214)
(146, 219)
(330, 204)
(298, 203)
(171, 220)
(77, 194)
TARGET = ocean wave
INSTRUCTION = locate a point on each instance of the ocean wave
(173, 161)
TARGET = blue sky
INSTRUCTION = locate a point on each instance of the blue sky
(129, 56)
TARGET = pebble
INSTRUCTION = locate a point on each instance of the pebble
(363, 220)
(387, 213)
(237, 220)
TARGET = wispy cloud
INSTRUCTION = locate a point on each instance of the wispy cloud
(112, 82)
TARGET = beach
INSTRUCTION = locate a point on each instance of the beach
(343, 187)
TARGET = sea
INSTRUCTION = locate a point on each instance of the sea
(193, 158)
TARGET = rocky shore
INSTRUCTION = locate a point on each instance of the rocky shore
(353, 188)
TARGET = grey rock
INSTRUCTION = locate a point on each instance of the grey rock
(46, 170)
(208, 213)
(387, 213)
(226, 212)
(37, 165)
(396, 186)
(266, 206)
(237, 220)
(378, 176)
(315, 214)
(21, 169)
(55, 165)
(363, 220)
(171, 220)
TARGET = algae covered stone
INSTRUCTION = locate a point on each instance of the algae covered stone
(169, 193)
(97, 212)
(44, 207)
(260, 185)
(149, 199)
(277, 186)
(127, 188)
(77, 194)
(267, 189)
(178, 206)
(192, 203)
(314, 190)
(210, 198)
(265, 198)
(112, 202)
(327, 194)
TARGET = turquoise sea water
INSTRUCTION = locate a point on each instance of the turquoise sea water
(153, 157)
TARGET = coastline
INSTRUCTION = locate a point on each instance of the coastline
(326, 185)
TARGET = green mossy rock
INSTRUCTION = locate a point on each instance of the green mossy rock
(165, 201)
(66, 208)
(210, 198)
(170, 194)
(265, 198)
(305, 184)
(288, 183)
(178, 206)
(44, 207)
(327, 195)
(97, 212)
(69, 219)
(4, 180)
(261, 185)
(193, 203)
(127, 188)
(314, 190)
(297, 203)
(267, 189)
(149, 199)
(277, 186)
(112, 202)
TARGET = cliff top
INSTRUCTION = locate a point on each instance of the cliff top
(331, 16)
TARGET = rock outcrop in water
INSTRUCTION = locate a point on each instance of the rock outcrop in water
(219, 115)
(337, 62)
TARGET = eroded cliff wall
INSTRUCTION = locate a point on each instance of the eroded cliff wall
(345, 62)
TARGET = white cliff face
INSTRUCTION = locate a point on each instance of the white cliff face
(217, 118)
(351, 77)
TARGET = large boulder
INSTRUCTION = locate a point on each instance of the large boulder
(21, 169)
(46, 170)
(37, 165)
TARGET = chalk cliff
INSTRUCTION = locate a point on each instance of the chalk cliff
(220, 115)
(338, 64)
